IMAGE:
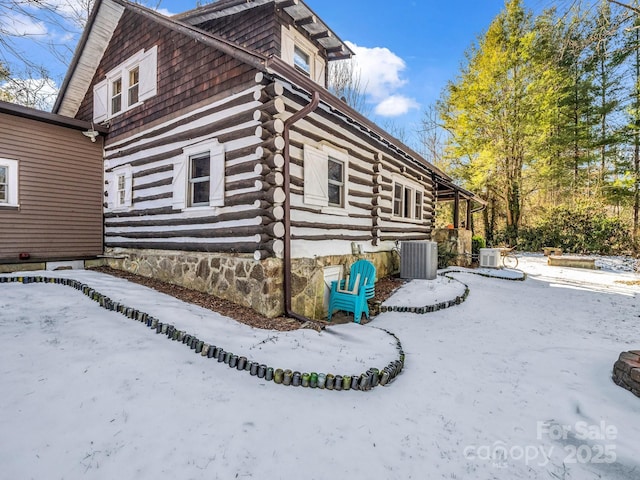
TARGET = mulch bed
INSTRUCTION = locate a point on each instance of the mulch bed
(384, 289)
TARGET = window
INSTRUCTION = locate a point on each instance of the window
(198, 176)
(301, 61)
(8, 183)
(4, 184)
(199, 179)
(397, 200)
(134, 84)
(127, 85)
(302, 54)
(407, 200)
(122, 192)
(116, 95)
(335, 183)
(325, 175)
(119, 188)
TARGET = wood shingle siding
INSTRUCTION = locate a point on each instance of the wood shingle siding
(60, 185)
(189, 73)
(256, 29)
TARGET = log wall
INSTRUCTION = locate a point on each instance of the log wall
(250, 221)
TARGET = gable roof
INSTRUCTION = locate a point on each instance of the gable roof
(303, 16)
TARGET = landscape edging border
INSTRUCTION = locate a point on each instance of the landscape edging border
(450, 303)
(372, 378)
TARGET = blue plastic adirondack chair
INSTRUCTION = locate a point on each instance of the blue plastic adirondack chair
(352, 296)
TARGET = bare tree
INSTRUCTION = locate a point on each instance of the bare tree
(431, 137)
(345, 82)
(30, 83)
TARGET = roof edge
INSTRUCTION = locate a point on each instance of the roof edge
(76, 56)
(48, 117)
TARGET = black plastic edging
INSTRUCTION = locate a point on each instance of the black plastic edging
(372, 378)
(450, 303)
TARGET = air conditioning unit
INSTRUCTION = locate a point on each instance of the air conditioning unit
(490, 257)
(419, 259)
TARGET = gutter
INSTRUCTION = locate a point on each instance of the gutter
(300, 114)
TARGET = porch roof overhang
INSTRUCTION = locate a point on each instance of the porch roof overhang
(448, 191)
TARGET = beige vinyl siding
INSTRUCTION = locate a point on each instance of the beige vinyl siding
(60, 192)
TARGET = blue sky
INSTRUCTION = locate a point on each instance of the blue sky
(408, 49)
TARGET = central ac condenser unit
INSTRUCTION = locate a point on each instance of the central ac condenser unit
(419, 259)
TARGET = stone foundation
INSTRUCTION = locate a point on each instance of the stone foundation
(456, 241)
(308, 283)
(626, 371)
(243, 280)
(238, 278)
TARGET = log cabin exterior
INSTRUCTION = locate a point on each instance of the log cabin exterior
(50, 189)
(229, 168)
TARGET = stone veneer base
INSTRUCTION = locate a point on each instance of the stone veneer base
(243, 280)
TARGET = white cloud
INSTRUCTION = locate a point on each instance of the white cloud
(20, 25)
(395, 105)
(381, 75)
(165, 12)
(380, 69)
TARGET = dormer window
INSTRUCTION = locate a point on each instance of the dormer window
(301, 61)
(299, 52)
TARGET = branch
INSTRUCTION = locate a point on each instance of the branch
(630, 7)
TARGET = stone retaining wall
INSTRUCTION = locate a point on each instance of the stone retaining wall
(626, 371)
(243, 280)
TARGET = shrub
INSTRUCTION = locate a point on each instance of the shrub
(477, 242)
(583, 228)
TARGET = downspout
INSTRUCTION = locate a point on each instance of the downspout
(300, 114)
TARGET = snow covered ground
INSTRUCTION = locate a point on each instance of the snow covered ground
(515, 383)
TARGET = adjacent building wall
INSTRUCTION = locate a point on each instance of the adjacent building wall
(60, 192)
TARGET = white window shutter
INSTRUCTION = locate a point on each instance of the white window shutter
(319, 70)
(287, 46)
(149, 74)
(216, 176)
(100, 102)
(128, 188)
(316, 177)
(180, 183)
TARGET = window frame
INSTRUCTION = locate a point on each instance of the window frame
(146, 64)
(115, 96)
(193, 181)
(300, 52)
(5, 197)
(217, 179)
(339, 183)
(12, 189)
(292, 39)
(118, 198)
(409, 206)
(135, 87)
(316, 178)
